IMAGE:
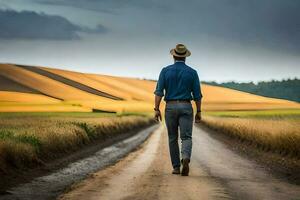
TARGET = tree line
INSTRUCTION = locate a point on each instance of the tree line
(284, 89)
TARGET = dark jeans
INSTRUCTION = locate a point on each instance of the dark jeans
(179, 115)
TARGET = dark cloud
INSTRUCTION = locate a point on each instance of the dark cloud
(270, 23)
(99, 29)
(33, 25)
(108, 6)
(3, 6)
(102, 6)
(273, 23)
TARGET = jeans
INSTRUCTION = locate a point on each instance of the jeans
(179, 115)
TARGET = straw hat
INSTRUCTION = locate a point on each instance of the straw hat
(180, 51)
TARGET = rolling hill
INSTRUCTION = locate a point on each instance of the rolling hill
(27, 88)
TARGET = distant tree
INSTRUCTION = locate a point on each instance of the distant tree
(285, 89)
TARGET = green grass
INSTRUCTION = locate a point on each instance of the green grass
(28, 139)
(273, 114)
(144, 114)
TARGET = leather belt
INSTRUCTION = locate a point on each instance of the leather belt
(179, 101)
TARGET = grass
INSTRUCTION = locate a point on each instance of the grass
(285, 113)
(29, 139)
(274, 130)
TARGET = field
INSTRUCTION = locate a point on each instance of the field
(29, 139)
(46, 111)
(274, 114)
(272, 130)
(43, 89)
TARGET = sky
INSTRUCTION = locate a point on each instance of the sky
(239, 40)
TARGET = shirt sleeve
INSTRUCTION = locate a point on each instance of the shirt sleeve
(160, 86)
(197, 95)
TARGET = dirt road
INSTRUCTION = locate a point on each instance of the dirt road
(216, 173)
(54, 183)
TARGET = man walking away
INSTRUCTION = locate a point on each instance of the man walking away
(179, 84)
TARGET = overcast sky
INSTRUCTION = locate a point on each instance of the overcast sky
(242, 40)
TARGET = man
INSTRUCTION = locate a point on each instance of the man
(179, 84)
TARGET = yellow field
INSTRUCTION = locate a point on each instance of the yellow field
(29, 107)
(27, 140)
(46, 85)
(278, 135)
(137, 94)
(7, 96)
(86, 80)
(140, 91)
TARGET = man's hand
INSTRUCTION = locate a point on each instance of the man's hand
(198, 117)
(157, 115)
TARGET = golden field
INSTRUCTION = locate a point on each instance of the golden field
(31, 139)
(134, 95)
(45, 85)
(27, 139)
(280, 134)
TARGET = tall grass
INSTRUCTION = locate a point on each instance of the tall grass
(281, 136)
(274, 114)
(27, 141)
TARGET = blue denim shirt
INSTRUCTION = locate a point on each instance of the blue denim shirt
(180, 82)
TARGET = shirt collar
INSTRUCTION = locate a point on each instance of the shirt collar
(179, 61)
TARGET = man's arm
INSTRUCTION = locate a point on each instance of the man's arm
(157, 102)
(198, 105)
(197, 97)
(156, 108)
(198, 116)
(159, 93)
